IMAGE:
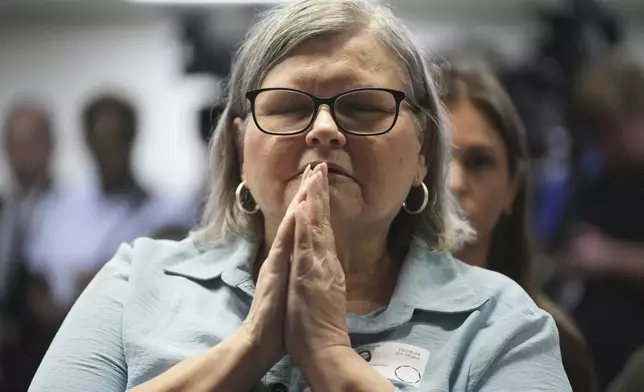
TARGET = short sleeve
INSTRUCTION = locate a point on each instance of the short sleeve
(87, 352)
(522, 354)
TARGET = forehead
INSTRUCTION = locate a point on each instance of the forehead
(325, 65)
(26, 123)
(471, 129)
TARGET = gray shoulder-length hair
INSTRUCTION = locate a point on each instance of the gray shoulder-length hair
(277, 34)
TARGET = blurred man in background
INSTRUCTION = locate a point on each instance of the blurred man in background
(88, 224)
(27, 319)
(607, 237)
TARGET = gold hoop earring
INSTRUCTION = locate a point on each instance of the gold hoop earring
(240, 199)
(424, 203)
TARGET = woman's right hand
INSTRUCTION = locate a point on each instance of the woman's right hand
(264, 326)
(239, 361)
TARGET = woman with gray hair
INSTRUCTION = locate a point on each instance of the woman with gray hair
(323, 261)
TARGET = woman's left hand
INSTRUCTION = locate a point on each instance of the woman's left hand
(316, 304)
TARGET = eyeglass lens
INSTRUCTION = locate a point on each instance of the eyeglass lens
(360, 112)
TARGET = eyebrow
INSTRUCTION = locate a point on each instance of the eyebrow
(475, 148)
(348, 80)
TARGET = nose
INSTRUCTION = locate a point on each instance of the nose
(324, 131)
(457, 183)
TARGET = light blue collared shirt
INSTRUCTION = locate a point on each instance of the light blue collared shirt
(157, 303)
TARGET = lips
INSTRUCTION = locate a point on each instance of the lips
(333, 168)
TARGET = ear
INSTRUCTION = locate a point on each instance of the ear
(238, 135)
(421, 170)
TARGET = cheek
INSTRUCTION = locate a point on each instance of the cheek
(269, 163)
(389, 162)
(485, 201)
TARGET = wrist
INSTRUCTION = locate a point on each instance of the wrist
(340, 368)
(327, 367)
(262, 357)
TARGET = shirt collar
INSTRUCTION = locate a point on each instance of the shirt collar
(232, 261)
(435, 281)
(429, 281)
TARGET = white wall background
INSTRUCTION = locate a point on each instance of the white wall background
(64, 65)
(62, 56)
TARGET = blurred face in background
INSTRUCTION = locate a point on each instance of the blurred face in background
(29, 146)
(480, 173)
(111, 147)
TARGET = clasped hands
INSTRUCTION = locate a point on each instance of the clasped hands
(299, 306)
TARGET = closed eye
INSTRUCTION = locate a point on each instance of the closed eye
(290, 110)
(478, 159)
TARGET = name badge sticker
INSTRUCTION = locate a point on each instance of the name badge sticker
(396, 361)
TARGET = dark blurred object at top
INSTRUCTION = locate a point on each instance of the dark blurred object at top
(205, 54)
(578, 34)
(542, 88)
(573, 36)
(211, 36)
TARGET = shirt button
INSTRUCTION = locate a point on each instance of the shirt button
(278, 387)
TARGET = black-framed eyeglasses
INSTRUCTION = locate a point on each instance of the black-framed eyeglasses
(362, 111)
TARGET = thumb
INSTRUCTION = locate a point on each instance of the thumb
(279, 255)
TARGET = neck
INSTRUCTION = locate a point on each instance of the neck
(26, 186)
(370, 271)
(124, 183)
(475, 253)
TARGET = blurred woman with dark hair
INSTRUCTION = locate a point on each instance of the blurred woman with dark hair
(489, 176)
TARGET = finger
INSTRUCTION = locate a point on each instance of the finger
(305, 185)
(283, 242)
(317, 203)
(303, 247)
(300, 196)
(315, 199)
(282, 246)
(325, 194)
(307, 172)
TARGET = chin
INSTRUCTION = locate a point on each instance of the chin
(345, 210)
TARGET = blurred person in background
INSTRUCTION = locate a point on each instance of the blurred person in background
(488, 175)
(89, 222)
(27, 318)
(606, 245)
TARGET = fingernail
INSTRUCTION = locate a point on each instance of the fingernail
(306, 173)
(325, 171)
